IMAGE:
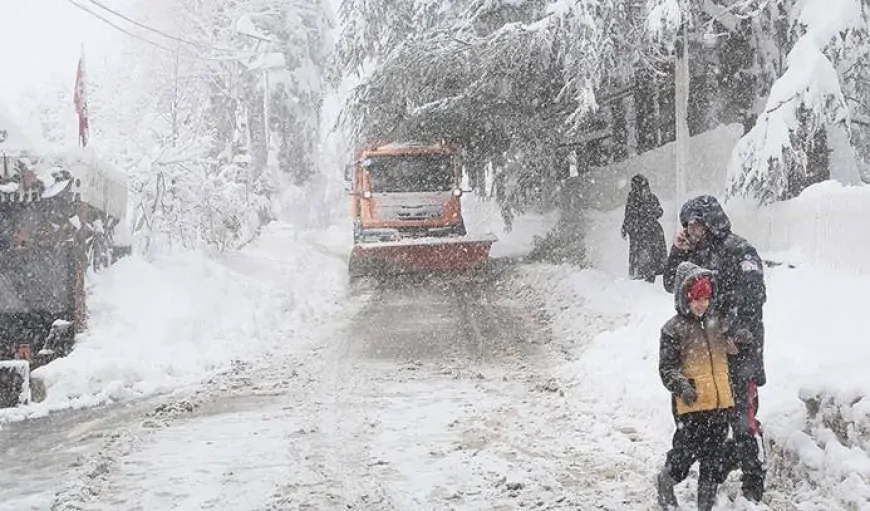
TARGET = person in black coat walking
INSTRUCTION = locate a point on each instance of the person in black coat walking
(706, 240)
(647, 246)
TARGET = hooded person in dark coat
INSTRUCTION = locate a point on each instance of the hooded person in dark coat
(647, 246)
(693, 365)
(706, 240)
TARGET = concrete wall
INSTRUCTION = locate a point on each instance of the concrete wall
(828, 225)
(606, 188)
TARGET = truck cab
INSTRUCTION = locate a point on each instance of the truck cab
(401, 191)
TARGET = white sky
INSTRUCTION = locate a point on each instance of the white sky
(40, 41)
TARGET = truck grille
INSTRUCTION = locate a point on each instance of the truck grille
(408, 213)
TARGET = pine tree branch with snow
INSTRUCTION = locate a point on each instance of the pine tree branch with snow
(775, 151)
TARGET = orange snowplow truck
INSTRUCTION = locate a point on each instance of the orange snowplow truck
(407, 212)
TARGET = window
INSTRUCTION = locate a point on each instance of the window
(419, 173)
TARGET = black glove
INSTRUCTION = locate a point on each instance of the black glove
(743, 336)
(688, 394)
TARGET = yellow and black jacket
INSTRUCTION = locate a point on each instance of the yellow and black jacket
(693, 351)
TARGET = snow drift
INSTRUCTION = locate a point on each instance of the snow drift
(812, 352)
(815, 405)
(161, 325)
(484, 217)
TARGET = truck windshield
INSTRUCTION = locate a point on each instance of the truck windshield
(418, 173)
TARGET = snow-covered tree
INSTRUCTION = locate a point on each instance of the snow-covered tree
(826, 43)
(215, 115)
(782, 69)
(506, 80)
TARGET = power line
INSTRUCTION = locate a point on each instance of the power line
(149, 41)
(146, 27)
(113, 25)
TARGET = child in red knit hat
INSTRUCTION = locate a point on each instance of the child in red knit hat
(693, 365)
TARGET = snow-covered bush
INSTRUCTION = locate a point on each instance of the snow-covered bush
(828, 462)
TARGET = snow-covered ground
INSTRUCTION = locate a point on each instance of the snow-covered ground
(812, 318)
(814, 315)
(483, 217)
(168, 324)
(537, 387)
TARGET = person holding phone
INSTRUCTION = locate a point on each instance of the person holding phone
(705, 239)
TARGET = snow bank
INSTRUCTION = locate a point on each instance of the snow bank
(609, 327)
(832, 449)
(156, 326)
(823, 226)
(483, 217)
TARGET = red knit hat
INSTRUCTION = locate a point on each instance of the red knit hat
(701, 288)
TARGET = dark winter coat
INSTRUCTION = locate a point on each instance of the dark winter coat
(693, 351)
(647, 245)
(739, 276)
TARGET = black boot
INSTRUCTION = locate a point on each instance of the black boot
(726, 463)
(753, 487)
(706, 495)
(665, 487)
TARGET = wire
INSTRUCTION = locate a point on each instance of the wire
(112, 24)
(151, 29)
(149, 41)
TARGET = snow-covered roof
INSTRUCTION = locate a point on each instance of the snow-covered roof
(99, 184)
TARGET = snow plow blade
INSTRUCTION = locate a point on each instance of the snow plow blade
(419, 255)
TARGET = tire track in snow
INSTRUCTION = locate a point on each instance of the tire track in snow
(414, 371)
(434, 397)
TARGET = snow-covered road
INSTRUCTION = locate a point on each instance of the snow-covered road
(531, 386)
(410, 398)
(414, 395)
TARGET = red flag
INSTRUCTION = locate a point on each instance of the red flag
(81, 100)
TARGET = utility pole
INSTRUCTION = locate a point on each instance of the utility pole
(175, 104)
(267, 113)
(681, 99)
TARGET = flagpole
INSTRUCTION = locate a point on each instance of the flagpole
(80, 99)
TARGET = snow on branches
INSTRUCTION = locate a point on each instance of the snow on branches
(664, 19)
(805, 101)
(506, 79)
